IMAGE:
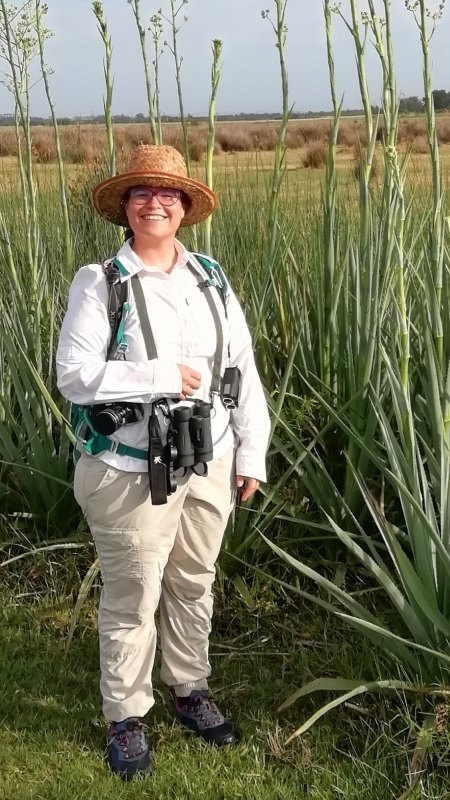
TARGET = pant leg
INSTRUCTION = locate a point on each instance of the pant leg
(133, 539)
(186, 597)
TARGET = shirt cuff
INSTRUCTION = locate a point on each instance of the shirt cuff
(251, 465)
(166, 378)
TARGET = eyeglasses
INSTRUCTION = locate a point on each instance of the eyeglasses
(140, 195)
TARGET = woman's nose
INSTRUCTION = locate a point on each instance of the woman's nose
(153, 200)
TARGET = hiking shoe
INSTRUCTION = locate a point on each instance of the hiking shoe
(127, 750)
(199, 713)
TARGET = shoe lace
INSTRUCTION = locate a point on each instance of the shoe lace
(130, 738)
(204, 709)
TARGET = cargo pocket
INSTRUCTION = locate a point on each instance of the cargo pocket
(91, 476)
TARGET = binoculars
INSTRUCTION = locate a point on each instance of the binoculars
(192, 438)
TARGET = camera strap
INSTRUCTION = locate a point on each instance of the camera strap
(157, 468)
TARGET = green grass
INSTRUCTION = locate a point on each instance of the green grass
(52, 731)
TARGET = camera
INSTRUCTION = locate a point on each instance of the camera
(107, 418)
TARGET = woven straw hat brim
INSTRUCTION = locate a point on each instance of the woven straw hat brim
(108, 195)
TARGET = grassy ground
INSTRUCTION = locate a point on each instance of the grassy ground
(52, 731)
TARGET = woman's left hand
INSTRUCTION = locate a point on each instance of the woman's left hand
(248, 485)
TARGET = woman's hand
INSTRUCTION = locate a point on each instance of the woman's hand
(248, 485)
(191, 380)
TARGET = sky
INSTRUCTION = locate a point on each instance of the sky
(250, 75)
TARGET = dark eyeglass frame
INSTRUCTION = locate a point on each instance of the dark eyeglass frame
(164, 194)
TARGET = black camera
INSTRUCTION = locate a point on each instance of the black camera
(229, 390)
(107, 418)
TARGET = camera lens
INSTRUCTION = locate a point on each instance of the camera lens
(108, 420)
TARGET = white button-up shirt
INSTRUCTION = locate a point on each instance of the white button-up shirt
(184, 332)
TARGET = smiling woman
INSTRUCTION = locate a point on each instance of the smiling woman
(153, 212)
(156, 478)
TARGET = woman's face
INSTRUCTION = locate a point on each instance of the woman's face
(154, 212)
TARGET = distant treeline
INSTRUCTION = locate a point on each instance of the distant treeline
(125, 119)
(407, 105)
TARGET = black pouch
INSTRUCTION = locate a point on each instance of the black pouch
(160, 466)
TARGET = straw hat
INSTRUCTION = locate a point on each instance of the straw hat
(153, 165)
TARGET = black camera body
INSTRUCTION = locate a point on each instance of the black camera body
(107, 418)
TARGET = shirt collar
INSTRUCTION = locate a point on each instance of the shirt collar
(133, 264)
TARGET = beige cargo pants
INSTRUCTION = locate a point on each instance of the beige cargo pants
(152, 555)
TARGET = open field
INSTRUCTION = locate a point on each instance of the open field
(86, 143)
(304, 183)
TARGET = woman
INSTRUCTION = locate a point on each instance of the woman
(175, 343)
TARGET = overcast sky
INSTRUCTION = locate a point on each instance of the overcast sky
(250, 70)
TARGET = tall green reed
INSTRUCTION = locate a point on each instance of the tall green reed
(19, 47)
(390, 417)
(152, 93)
(215, 78)
(42, 34)
(173, 20)
(97, 8)
(156, 28)
(426, 23)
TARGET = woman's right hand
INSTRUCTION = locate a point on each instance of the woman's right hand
(191, 380)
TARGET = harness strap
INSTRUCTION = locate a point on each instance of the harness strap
(117, 307)
(216, 371)
(144, 320)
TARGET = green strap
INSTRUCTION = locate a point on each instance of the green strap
(100, 443)
(216, 275)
